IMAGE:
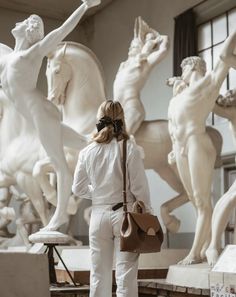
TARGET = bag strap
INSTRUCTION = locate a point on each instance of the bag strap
(124, 174)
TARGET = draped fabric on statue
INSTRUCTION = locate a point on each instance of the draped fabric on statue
(185, 39)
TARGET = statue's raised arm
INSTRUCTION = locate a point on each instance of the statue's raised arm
(50, 41)
(155, 46)
(227, 59)
(228, 54)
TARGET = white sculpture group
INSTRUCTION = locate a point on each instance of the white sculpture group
(36, 144)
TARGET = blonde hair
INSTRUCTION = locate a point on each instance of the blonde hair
(112, 110)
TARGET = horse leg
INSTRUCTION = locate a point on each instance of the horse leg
(32, 189)
(168, 174)
(40, 173)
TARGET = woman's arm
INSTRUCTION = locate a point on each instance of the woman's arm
(81, 182)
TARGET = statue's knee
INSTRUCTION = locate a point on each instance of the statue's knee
(37, 170)
(203, 204)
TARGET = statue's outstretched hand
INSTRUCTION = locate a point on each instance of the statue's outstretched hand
(91, 3)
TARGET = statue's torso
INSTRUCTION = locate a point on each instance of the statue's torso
(130, 80)
(187, 113)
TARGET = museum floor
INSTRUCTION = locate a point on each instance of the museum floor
(147, 287)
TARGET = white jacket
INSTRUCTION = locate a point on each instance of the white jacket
(98, 174)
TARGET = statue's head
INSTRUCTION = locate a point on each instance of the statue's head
(35, 29)
(135, 47)
(191, 64)
(32, 29)
(111, 122)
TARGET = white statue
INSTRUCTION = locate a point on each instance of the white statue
(194, 151)
(78, 66)
(146, 50)
(226, 204)
(19, 73)
(20, 149)
(5, 198)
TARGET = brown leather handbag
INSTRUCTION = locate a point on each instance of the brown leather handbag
(140, 231)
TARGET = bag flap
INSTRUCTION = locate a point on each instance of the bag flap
(146, 221)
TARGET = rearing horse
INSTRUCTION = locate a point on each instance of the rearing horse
(76, 85)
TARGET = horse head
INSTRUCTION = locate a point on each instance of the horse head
(58, 74)
(76, 82)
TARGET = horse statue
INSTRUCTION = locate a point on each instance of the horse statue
(19, 149)
(76, 85)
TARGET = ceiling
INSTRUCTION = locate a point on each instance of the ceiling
(56, 9)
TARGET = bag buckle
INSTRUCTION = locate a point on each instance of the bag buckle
(151, 232)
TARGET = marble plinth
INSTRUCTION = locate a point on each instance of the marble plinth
(191, 276)
(49, 237)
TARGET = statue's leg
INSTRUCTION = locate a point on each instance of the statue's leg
(222, 211)
(40, 171)
(170, 221)
(31, 188)
(134, 114)
(201, 156)
(50, 132)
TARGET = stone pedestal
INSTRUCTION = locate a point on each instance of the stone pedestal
(191, 276)
(154, 265)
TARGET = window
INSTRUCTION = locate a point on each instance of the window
(211, 36)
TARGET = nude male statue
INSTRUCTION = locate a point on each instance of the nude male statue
(146, 50)
(225, 107)
(194, 152)
(19, 71)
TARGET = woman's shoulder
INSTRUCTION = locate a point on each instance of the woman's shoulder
(89, 148)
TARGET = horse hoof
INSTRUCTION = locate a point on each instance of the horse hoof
(173, 225)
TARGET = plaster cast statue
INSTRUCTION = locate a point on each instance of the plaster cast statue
(20, 152)
(226, 107)
(5, 198)
(20, 149)
(78, 66)
(19, 73)
(146, 50)
(194, 152)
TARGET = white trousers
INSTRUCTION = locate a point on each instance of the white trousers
(104, 237)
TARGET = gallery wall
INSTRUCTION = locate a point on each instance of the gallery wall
(108, 34)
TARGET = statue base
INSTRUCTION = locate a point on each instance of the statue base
(194, 276)
(50, 237)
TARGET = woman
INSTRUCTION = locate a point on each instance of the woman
(98, 176)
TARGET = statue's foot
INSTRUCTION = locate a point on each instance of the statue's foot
(212, 256)
(173, 224)
(190, 259)
(56, 222)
